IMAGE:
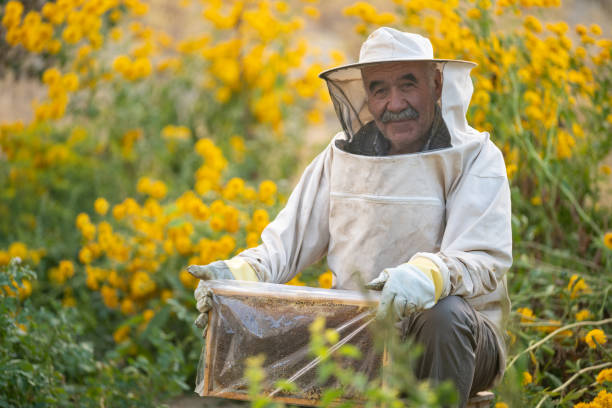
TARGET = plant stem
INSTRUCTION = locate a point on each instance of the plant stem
(551, 335)
(571, 379)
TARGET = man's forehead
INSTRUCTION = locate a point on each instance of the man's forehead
(394, 70)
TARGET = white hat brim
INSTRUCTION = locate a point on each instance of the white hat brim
(325, 74)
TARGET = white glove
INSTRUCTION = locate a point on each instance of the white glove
(408, 288)
(203, 295)
(235, 268)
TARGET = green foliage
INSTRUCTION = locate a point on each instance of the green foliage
(47, 358)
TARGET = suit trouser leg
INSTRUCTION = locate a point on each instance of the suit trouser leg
(459, 345)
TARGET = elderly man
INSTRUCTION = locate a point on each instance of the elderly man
(410, 195)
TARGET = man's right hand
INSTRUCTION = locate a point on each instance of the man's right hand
(203, 296)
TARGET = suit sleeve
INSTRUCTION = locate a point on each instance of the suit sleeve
(476, 248)
(299, 235)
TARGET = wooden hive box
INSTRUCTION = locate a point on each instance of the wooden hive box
(252, 318)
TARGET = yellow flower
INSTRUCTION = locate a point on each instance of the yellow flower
(101, 206)
(4, 258)
(109, 297)
(252, 239)
(584, 314)
(72, 34)
(267, 189)
(527, 378)
(501, 405)
(536, 200)
(595, 336)
(474, 13)
(121, 334)
(127, 307)
(581, 29)
(88, 231)
(24, 289)
(595, 29)
(216, 223)
(81, 220)
(142, 68)
(51, 76)
(511, 169)
(122, 63)
(70, 82)
(312, 12)
(69, 301)
(326, 280)
(18, 250)
(526, 314)
(148, 314)
(576, 285)
(166, 294)
(158, 189)
(66, 268)
(188, 280)
(533, 24)
(141, 285)
(295, 281)
(604, 375)
(608, 240)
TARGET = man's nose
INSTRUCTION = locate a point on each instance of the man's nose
(397, 102)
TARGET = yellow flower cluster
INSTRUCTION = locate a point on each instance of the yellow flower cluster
(20, 250)
(132, 70)
(368, 15)
(547, 61)
(61, 273)
(69, 20)
(33, 34)
(526, 314)
(208, 175)
(153, 233)
(60, 86)
(257, 52)
(24, 289)
(171, 132)
(604, 375)
(153, 188)
(602, 400)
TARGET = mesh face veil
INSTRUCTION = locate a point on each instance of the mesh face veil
(350, 99)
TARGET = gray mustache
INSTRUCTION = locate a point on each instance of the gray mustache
(407, 114)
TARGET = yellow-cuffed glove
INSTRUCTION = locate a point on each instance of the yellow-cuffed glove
(235, 269)
(408, 288)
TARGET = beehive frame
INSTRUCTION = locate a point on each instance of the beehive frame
(272, 291)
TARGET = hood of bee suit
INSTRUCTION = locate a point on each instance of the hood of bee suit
(384, 45)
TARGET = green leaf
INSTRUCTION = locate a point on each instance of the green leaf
(351, 351)
(330, 395)
(286, 385)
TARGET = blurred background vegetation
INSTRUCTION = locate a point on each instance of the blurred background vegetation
(139, 137)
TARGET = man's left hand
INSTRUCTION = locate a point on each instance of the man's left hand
(405, 289)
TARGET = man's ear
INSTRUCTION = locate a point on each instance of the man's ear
(437, 84)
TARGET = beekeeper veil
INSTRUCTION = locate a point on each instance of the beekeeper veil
(386, 44)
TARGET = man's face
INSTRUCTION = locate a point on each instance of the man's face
(402, 97)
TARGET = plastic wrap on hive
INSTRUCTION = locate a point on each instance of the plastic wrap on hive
(252, 318)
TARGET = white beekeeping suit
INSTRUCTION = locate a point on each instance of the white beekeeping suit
(367, 213)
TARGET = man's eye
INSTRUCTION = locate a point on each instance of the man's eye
(379, 93)
(407, 85)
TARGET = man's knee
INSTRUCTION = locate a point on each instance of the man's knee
(450, 317)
